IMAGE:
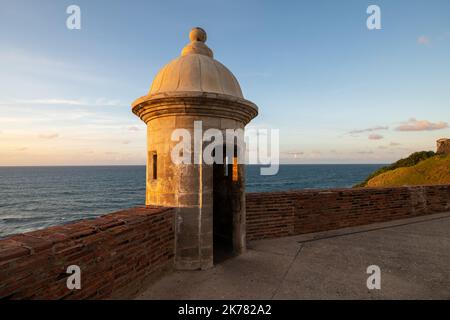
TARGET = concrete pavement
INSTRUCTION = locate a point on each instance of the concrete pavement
(413, 255)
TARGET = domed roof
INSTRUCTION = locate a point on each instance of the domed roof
(196, 70)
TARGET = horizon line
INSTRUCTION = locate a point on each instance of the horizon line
(143, 165)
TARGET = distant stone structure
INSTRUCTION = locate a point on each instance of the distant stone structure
(210, 199)
(443, 146)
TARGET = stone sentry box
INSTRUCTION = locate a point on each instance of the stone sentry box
(210, 198)
(443, 146)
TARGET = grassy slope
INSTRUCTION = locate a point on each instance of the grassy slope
(434, 170)
(409, 161)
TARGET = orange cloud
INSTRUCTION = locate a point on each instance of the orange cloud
(421, 125)
(375, 137)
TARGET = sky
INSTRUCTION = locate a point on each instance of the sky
(337, 91)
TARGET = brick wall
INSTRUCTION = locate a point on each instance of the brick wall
(118, 254)
(278, 214)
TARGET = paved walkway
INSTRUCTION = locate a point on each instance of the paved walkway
(413, 254)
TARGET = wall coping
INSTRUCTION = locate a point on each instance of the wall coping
(334, 190)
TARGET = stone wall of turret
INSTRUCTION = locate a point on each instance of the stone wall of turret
(443, 146)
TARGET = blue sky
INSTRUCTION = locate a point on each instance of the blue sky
(338, 92)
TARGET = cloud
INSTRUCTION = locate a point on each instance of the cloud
(133, 128)
(294, 154)
(369, 129)
(392, 144)
(24, 63)
(106, 102)
(100, 102)
(50, 102)
(48, 136)
(375, 137)
(421, 125)
(423, 40)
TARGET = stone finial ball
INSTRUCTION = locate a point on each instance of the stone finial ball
(197, 34)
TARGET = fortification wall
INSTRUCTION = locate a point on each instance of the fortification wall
(278, 214)
(118, 254)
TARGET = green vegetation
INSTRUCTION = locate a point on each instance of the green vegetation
(434, 170)
(410, 161)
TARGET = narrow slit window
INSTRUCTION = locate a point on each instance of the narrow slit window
(154, 165)
(226, 167)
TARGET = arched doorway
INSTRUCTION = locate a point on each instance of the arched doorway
(228, 192)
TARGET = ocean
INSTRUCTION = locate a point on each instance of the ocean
(37, 197)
